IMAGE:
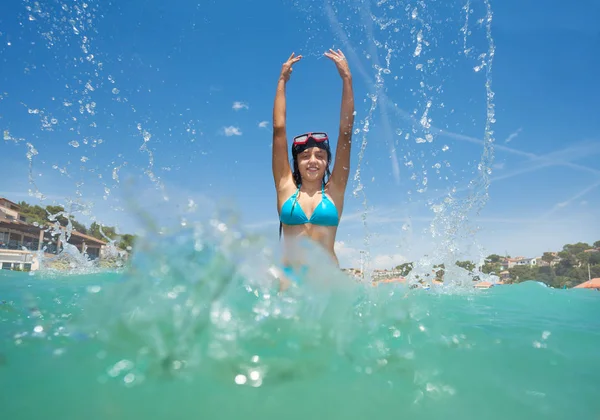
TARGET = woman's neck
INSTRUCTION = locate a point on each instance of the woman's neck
(312, 187)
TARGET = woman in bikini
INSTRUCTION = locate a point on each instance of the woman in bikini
(310, 197)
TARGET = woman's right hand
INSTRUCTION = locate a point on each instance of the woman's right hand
(286, 69)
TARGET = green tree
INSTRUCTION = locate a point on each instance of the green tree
(78, 226)
(565, 264)
(594, 258)
(597, 244)
(405, 268)
(127, 241)
(548, 257)
(97, 231)
(491, 268)
(33, 214)
(493, 258)
(563, 281)
(575, 249)
(467, 265)
(523, 272)
(566, 258)
(439, 271)
(583, 258)
(54, 214)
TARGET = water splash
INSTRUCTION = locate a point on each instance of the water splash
(451, 221)
(414, 44)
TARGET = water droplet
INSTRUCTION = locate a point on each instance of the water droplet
(438, 208)
(94, 289)
(74, 143)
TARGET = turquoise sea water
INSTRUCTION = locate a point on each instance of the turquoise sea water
(196, 334)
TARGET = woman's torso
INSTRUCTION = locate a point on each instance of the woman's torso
(312, 217)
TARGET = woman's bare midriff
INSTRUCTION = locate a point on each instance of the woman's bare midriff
(322, 235)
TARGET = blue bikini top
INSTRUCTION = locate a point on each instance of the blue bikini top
(325, 213)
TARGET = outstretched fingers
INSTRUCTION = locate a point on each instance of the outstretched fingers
(293, 58)
(335, 55)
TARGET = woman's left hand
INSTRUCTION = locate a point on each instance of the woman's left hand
(341, 63)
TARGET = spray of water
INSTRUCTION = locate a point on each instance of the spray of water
(416, 45)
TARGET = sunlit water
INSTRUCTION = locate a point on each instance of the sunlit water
(196, 329)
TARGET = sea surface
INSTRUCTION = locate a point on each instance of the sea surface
(197, 332)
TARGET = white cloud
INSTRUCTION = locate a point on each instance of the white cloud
(232, 131)
(237, 105)
(388, 261)
(348, 256)
(498, 166)
(351, 257)
(263, 124)
(513, 136)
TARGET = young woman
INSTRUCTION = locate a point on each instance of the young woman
(310, 197)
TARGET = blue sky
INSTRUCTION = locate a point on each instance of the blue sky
(88, 84)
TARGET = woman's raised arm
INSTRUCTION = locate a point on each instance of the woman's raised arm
(341, 166)
(281, 164)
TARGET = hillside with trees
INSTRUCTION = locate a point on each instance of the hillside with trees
(573, 265)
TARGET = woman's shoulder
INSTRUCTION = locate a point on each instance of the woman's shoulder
(287, 188)
(332, 189)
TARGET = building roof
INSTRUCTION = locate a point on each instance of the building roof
(88, 238)
(11, 202)
(20, 225)
(76, 237)
(590, 284)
